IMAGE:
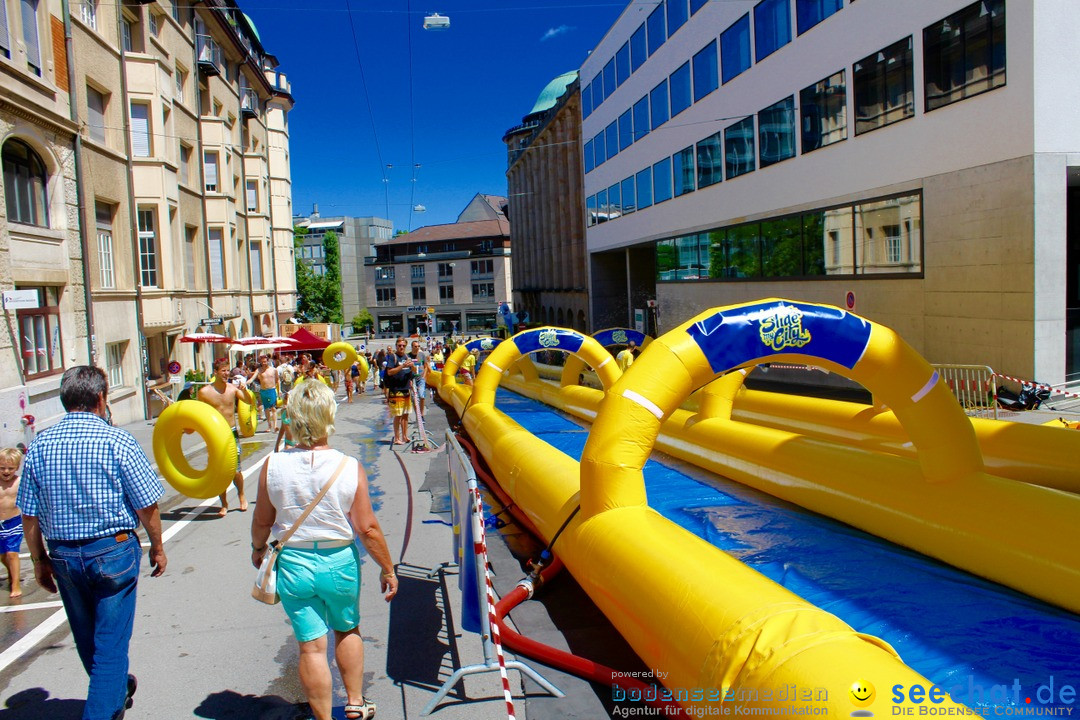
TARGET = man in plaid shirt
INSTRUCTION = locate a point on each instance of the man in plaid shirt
(85, 487)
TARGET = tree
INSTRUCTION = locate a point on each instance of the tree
(362, 321)
(318, 296)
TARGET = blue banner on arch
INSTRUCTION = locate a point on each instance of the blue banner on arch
(736, 336)
(484, 344)
(548, 339)
(619, 336)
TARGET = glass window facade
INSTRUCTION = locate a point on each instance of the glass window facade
(611, 134)
(772, 27)
(639, 48)
(641, 118)
(682, 171)
(644, 189)
(590, 157)
(776, 132)
(679, 82)
(626, 130)
(590, 210)
(739, 148)
(710, 161)
(705, 71)
(661, 180)
(809, 13)
(622, 64)
(888, 236)
(657, 29)
(676, 15)
(883, 87)
(735, 48)
(964, 54)
(696, 5)
(597, 86)
(602, 209)
(823, 112)
(629, 195)
(609, 78)
(658, 105)
(614, 198)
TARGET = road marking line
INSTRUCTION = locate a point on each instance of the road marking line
(31, 606)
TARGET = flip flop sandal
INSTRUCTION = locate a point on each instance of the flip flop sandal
(366, 711)
(132, 686)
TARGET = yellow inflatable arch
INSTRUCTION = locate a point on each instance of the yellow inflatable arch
(610, 336)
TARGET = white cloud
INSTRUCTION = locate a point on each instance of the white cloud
(556, 31)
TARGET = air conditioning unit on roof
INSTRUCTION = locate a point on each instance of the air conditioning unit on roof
(435, 21)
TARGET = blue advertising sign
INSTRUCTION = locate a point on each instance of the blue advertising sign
(619, 336)
(549, 339)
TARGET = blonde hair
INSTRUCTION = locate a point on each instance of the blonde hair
(312, 409)
(11, 454)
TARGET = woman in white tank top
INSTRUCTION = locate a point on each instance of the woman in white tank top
(318, 570)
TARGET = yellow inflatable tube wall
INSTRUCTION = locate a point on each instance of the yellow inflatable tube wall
(686, 607)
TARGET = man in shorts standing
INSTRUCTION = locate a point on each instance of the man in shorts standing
(223, 396)
(400, 369)
(420, 360)
(267, 377)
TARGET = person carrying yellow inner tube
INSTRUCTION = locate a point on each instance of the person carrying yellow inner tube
(223, 396)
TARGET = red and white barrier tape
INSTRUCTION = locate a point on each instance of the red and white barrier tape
(1040, 386)
(480, 550)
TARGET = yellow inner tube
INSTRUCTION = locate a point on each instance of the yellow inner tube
(180, 419)
(247, 416)
(339, 356)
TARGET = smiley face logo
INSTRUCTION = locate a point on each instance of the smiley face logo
(861, 693)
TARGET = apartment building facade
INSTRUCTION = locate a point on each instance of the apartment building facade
(147, 195)
(544, 183)
(916, 162)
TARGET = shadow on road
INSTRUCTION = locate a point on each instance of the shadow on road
(34, 704)
(419, 652)
(230, 705)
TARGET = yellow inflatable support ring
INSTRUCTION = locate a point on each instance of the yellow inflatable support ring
(194, 416)
(344, 350)
(247, 416)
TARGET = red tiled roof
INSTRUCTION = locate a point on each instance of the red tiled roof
(457, 231)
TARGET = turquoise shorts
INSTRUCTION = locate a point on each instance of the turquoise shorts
(320, 590)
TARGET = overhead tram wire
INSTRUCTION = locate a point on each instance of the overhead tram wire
(371, 112)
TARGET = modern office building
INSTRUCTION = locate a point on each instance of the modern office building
(147, 194)
(357, 237)
(917, 161)
(544, 182)
(443, 279)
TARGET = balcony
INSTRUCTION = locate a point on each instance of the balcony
(210, 55)
(249, 103)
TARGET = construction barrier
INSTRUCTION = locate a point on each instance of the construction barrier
(975, 388)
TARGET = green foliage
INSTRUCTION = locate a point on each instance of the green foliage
(195, 376)
(363, 321)
(319, 296)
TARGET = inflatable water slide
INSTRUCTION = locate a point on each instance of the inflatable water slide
(913, 470)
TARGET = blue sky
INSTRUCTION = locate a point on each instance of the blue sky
(469, 85)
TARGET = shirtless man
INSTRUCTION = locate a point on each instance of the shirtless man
(267, 377)
(222, 396)
(11, 532)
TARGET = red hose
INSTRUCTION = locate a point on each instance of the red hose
(553, 657)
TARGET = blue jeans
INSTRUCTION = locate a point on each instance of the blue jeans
(97, 584)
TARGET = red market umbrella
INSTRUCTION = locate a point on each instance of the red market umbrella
(304, 340)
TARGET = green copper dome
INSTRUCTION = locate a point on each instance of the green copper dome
(553, 92)
(251, 24)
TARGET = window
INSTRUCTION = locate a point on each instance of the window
(641, 118)
(419, 294)
(127, 35)
(140, 130)
(154, 29)
(256, 265)
(696, 5)
(181, 80)
(446, 294)
(599, 149)
(614, 197)
(252, 191)
(30, 35)
(739, 148)
(185, 164)
(210, 170)
(622, 64)
(483, 290)
(586, 101)
(602, 209)
(384, 273)
(639, 49)
(656, 29)
(482, 267)
(148, 265)
(95, 114)
(597, 86)
(676, 15)
(590, 210)
(629, 195)
(114, 363)
(781, 247)
(710, 161)
(626, 130)
(682, 171)
(417, 272)
(89, 13)
(680, 89)
(705, 71)
(190, 234)
(776, 132)
(25, 184)
(883, 87)
(612, 141)
(964, 54)
(216, 242)
(5, 37)
(887, 235)
(385, 296)
(590, 158)
(658, 105)
(809, 13)
(772, 27)
(446, 272)
(644, 189)
(823, 112)
(735, 48)
(104, 215)
(661, 181)
(609, 78)
(39, 335)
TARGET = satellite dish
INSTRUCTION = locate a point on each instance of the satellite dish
(435, 21)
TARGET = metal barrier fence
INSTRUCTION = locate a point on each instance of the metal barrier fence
(975, 388)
